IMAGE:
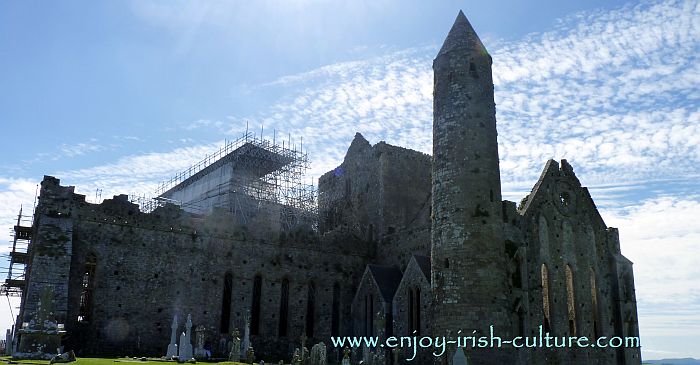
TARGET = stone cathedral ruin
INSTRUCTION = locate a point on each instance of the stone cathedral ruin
(394, 243)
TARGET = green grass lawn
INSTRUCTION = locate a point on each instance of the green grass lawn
(102, 361)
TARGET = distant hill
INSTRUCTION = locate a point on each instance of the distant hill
(687, 361)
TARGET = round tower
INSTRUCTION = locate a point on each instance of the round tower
(468, 249)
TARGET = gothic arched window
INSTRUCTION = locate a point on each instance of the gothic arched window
(546, 310)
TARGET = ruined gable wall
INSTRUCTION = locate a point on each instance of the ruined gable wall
(405, 177)
(381, 195)
(561, 227)
(349, 195)
(413, 278)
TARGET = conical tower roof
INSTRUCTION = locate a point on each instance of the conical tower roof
(462, 37)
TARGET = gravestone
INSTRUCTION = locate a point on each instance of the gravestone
(296, 358)
(459, 358)
(250, 355)
(246, 336)
(318, 354)
(304, 355)
(185, 353)
(366, 355)
(235, 353)
(346, 357)
(199, 338)
(172, 347)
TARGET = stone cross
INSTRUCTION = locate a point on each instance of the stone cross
(172, 347)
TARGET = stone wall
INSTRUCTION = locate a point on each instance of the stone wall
(152, 266)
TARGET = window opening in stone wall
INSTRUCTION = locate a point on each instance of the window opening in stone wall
(226, 303)
(570, 300)
(517, 274)
(565, 198)
(521, 321)
(472, 70)
(310, 309)
(335, 312)
(365, 317)
(87, 287)
(255, 310)
(594, 306)
(370, 315)
(416, 297)
(545, 299)
(284, 307)
(411, 325)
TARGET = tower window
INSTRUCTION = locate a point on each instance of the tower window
(472, 70)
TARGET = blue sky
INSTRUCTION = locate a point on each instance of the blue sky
(121, 95)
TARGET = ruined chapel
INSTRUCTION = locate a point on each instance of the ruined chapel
(393, 242)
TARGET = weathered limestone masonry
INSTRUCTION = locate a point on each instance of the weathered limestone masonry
(368, 197)
(52, 250)
(150, 266)
(406, 245)
(468, 262)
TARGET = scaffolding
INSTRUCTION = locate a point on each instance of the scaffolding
(16, 271)
(262, 177)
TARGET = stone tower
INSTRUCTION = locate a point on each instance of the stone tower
(468, 260)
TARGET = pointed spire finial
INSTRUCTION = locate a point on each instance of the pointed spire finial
(462, 37)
